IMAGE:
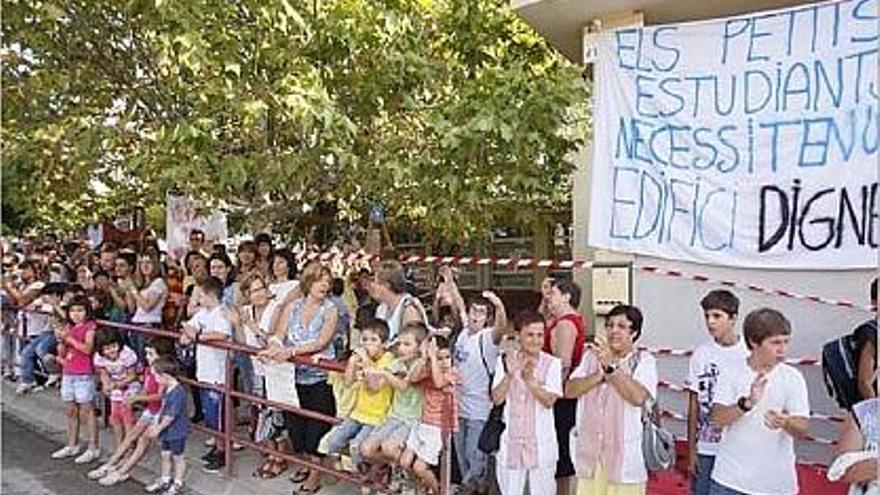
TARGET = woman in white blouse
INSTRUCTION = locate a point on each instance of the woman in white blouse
(528, 382)
(148, 297)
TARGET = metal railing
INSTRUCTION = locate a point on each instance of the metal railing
(228, 436)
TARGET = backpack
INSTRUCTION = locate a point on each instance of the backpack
(840, 368)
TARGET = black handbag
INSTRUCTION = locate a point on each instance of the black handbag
(490, 437)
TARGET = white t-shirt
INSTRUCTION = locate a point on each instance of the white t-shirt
(751, 457)
(279, 290)
(36, 321)
(211, 362)
(394, 316)
(474, 401)
(706, 365)
(157, 288)
(251, 339)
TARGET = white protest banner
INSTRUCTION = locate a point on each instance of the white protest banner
(281, 383)
(746, 141)
(182, 216)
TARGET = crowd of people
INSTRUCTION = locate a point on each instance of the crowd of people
(530, 401)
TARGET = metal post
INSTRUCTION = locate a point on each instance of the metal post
(228, 425)
(446, 453)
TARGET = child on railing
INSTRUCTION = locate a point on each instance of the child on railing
(77, 379)
(365, 371)
(116, 365)
(171, 430)
(438, 379)
(385, 444)
(117, 468)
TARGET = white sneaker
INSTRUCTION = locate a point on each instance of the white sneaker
(157, 486)
(175, 488)
(24, 388)
(90, 455)
(210, 442)
(100, 472)
(237, 446)
(65, 452)
(52, 380)
(112, 478)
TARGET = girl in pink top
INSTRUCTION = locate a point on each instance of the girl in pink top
(75, 342)
(117, 468)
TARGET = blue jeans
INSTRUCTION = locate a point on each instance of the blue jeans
(38, 348)
(719, 489)
(471, 460)
(138, 340)
(212, 409)
(242, 362)
(701, 483)
(349, 433)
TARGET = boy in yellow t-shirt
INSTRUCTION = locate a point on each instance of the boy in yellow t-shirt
(373, 393)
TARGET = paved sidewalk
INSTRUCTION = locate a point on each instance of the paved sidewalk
(43, 412)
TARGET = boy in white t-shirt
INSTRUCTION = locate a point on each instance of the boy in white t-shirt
(210, 323)
(762, 404)
(475, 352)
(720, 308)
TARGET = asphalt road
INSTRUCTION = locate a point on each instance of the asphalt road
(27, 468)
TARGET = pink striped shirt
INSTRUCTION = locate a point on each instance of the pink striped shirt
(522, 441)
(608, 428)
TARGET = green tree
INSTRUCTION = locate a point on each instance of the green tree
(451, 113)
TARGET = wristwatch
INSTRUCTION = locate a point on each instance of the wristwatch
(744, 404)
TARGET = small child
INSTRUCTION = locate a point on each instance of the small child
(116, 365)
(171, 430)
(385, 444)
(117, 468)
(373, 393)
(438, 380)
(77, 379)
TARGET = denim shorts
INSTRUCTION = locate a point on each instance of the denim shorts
(149, 418)
(176, 447)
(78, 388)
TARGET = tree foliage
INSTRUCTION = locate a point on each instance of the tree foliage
(452, 114)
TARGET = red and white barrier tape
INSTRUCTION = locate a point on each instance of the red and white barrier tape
(672, 414)
(667, 351)
(752, 287)
(678, 388)
(363, 257)
(671, 386)
(823, 441)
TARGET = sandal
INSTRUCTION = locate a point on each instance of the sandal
(264, 469)
(299, 475)
(273, 469)
(279, 468)
(306, 491)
